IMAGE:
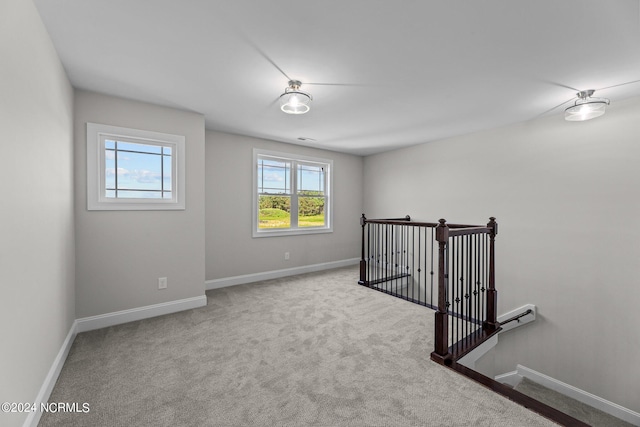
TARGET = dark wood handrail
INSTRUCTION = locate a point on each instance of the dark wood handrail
(469, 230)
(516, 317)
(407, 219)
(400, 222)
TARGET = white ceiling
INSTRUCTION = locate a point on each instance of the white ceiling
(423, 70)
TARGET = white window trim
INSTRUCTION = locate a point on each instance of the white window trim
(328, 228)
(96, 199)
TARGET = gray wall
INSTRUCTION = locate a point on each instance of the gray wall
(566, 199)
(231, 250)
(121, 254)
(36, 214)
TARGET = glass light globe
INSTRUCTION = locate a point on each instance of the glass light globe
(586, 110)
(294, 102)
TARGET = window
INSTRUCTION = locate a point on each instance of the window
(131, 169)
(291, 194)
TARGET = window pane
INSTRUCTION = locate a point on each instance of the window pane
(311, 179)
(167, 195)
(144, 148)
(274, 176)
(110, 171)
(311, 211)
(109, 144)
(139, 171)
(167, 172)
(274, 212)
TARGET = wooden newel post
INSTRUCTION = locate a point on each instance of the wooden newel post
(491, 323)
(441, 353)
(363, 262)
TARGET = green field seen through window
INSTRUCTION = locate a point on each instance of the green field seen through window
(275, 212)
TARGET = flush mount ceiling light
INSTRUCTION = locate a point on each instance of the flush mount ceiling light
(585, 107)
(293, 100)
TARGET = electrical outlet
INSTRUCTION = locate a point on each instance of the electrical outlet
(286, 256)
(162, 283)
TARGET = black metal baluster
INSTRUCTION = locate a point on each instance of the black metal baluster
(463, 272)
(484, 276)
(402, 253)
(478, 276)
(401, 247)
(386, 255)
(399, 260)
(412, 260)
(481, 280)
(467, 294)
(378, 253)
(427, 269)
(408, 268)
(451, 289)
(391, 257)
(396, 255)
(455, 283)
(396, 241)
(394, 260)
(380, 240)
(433, 230)
(376, 261)
(475, 278)
(419, 270)
(381, 255)
(407, 259)
(461, 288)
(449, 296)
(452, 284)
(463, 307)
(374, 254)
(369, 254)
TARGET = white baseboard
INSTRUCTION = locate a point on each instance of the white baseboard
(514, 377)
(275, 274)
(109, 319)
(33, 418)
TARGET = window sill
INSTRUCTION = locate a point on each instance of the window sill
(133, 206)
(291, 232)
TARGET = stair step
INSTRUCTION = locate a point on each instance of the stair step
(569, 406)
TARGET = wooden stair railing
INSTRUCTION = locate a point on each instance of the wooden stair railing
(447, 267)
(477, 254)
(399, 258)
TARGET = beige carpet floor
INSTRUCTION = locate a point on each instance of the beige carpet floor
(308, 350)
